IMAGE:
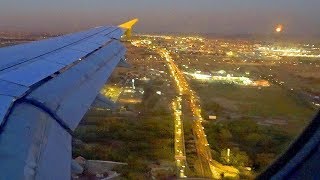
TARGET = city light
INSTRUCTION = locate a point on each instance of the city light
(279, 28)
(288, 52)
(250, 66)
(229, 79)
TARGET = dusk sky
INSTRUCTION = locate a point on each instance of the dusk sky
(203, 16)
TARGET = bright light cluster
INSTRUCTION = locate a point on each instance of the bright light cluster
(279, 28)
(288, 52)
(244, 81)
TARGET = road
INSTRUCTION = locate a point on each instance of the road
(203, 149)
(179, 145)
(209, 167)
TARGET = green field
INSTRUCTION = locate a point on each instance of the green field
(269, 102)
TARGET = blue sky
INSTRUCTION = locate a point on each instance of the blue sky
(214, 16)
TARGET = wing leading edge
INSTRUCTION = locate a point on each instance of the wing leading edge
(46, 87)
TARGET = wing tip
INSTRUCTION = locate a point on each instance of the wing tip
(128, 25)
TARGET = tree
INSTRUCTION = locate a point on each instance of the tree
(237, 158)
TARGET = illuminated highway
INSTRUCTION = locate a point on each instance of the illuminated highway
(179, 135)
(179, 145)
(209, 167)
(203, 149)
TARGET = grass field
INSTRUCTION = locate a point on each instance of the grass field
(268, 103)
(265, 102)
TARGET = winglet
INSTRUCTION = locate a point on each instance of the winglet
(127, 26)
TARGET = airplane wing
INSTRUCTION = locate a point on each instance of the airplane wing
(46, 87)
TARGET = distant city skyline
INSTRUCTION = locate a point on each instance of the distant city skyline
(197, 16)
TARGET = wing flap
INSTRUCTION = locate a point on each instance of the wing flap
(12, 89)
(84, 78)
(65, 56)
(6, 102)
(73, 112)
(31, 73)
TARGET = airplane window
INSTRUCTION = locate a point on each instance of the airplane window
(197, 89)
